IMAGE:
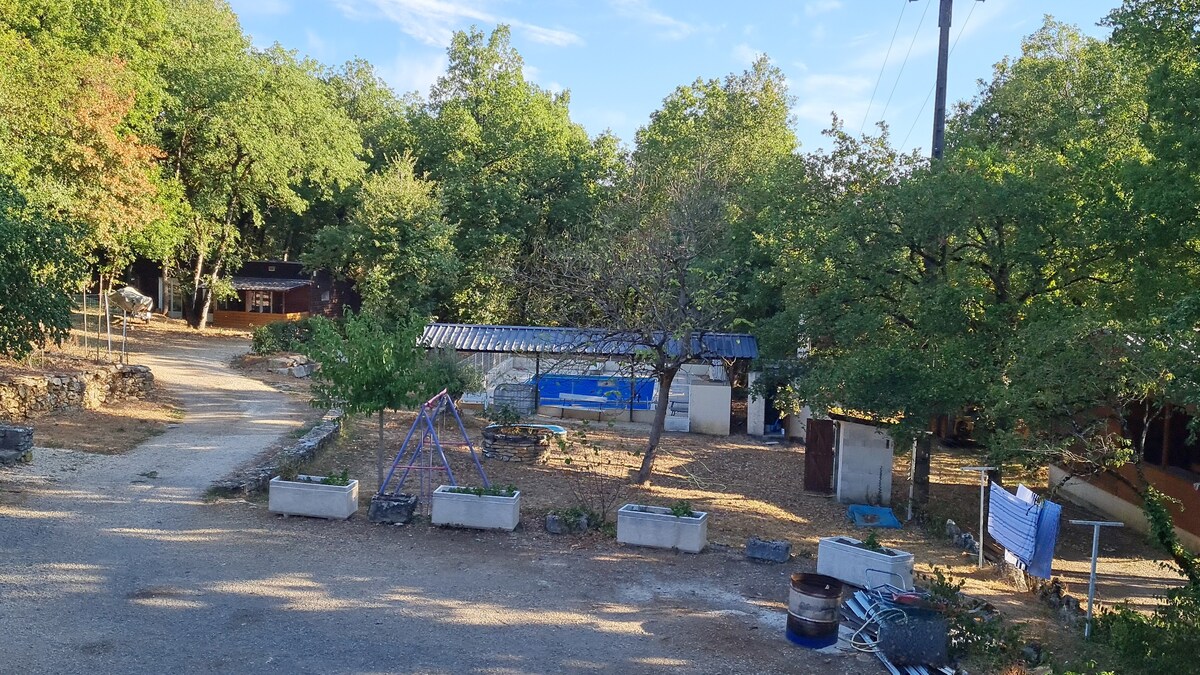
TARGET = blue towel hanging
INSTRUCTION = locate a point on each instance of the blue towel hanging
(1013, 523)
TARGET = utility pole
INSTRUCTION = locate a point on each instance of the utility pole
(945, 11)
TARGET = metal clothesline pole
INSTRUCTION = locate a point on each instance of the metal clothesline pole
(1095, 525)
(983, 482)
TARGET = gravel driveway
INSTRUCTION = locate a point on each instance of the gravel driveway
(113, 564)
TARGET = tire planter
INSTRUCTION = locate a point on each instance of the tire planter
(843, 558)
(657, 527)
(314, 499)
(480, 512)
(518, 442)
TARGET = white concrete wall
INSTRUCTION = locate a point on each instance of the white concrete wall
(1091, 497)
(864, 464)
(756, 409)
(796, 426)
(709, 407)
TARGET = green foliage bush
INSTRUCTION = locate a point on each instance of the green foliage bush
(493, 491)
(283, 336)
(1166, 641)
(978, 633)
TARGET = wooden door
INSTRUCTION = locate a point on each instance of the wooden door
(818, 456)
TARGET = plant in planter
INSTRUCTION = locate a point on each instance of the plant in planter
(482, 508)
(865, 563)
(677, 526)
(296, 494)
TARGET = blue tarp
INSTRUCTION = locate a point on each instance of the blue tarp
(596, 391)
(873, 516)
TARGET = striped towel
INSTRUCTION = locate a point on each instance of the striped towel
(1013, 523)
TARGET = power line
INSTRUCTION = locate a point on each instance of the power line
(916, 33)
(882, 66)
(926, 102)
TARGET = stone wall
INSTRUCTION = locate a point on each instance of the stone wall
(27, 396)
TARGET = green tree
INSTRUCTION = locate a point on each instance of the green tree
(241, 130)
(40, 265)
(737, 132)
(916, 293)
(514, 171)
(369, 366)
(395, 244)
(646, 279)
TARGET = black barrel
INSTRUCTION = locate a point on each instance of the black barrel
(813, 610)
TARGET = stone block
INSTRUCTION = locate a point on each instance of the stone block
(13, 437)
(778, 551)
(397, 509)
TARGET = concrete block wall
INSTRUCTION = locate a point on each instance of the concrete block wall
(864, 464)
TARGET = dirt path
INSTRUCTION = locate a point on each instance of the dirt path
(113, 564)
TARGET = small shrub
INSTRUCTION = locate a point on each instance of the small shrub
(493, 491)
(595, 489)
(575, 516)
(504, 415)
(1165, 641)
(682, 509)
(289, 471)
(871, 542)
(342, 478)
(282, 336)
(978, 633)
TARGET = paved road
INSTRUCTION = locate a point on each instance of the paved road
(108, 571)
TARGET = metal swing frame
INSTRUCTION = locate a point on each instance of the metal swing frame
(429, 442)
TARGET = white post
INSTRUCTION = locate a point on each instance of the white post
(1096, 525)
(983, 482)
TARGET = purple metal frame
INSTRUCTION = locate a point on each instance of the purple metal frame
(430, 411)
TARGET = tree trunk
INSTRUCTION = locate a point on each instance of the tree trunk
(665, 378)
(922, 456)
(191, 305)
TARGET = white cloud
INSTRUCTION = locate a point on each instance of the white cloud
(434, 21)
(745, 54)
(640, 10)
(822, 6)
(317, 47)
(819, 94)
(413, 73)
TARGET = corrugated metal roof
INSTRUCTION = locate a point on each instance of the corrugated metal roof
(547, 340)
(265, 284)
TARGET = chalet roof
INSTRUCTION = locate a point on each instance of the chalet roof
(561, 340)
(265, 284)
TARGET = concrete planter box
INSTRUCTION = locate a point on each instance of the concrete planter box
(842, 558)
(655, 526)
(486, 512)
(302, 498)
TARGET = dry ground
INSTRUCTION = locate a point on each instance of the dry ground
(754, 489)
(114, 428)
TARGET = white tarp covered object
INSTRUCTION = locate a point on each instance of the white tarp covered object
(131, 301)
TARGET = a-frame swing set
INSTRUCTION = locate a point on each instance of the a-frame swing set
(426, 444)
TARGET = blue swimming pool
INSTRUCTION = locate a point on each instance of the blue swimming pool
(596, 391)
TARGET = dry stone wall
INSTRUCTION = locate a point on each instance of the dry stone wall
(28, 396)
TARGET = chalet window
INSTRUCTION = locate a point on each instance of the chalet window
(266, 302)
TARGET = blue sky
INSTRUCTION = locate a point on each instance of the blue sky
(620, 58)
